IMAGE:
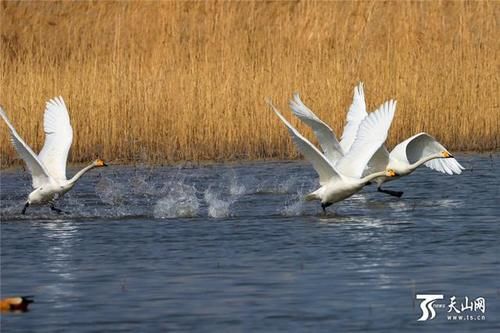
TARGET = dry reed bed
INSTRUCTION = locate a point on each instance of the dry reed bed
(163, 81)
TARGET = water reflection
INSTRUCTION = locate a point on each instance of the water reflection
(60, 236)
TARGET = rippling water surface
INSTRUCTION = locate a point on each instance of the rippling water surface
(234, 248)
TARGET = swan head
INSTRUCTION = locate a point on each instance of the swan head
(390, 173)
(99, 163)
(446, 154)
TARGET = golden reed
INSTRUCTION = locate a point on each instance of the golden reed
(171, 81)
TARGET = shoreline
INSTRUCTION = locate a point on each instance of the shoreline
(206, 163)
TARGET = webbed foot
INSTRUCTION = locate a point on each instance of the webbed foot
(57, 210)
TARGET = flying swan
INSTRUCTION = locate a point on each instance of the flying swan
(344, 179)
(48, 169)
(408, 155)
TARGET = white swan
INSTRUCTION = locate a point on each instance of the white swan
(403, 159)
(48, 169)
(343, 179)
(332, 148)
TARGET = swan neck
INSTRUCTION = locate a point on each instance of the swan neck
(80, 173)
(372, 176)
(424, 160)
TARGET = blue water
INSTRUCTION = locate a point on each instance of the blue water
(232, 247)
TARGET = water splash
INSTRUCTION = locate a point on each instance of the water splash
(140, 186)
(71, 206)
(236, 189)
(277, 186)
(8, 211)
(219, 197)
(155, 192)
(181, 201)
(110, 191)
(217, 208)
(294, 206)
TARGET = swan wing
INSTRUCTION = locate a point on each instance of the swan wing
(398, 153)
(421, 146)
(378, 162)
(355, 115)
(38, 171)
(371, 135)
(58, 138)
(320, 163)
(326, 137)
(445, 165)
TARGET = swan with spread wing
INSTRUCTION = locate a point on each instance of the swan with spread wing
(420, 149)
(48, 169)
(345, 178)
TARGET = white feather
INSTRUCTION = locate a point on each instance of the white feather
(39, 173)
(371, 135)
(326, 137)
(323, 167)
(58, 138)
(378, 162)
(355, 115)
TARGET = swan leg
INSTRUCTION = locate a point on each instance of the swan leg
(393, 193)
(26, 205)
(57, 210)
(324, 205)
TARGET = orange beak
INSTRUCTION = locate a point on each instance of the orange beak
(446, 154)
(100, 163)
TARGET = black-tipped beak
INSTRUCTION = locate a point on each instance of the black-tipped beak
(104, 164)
(447, 154)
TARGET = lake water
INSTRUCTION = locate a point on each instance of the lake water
(230, 248)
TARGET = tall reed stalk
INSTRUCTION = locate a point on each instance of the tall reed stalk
(170, 81)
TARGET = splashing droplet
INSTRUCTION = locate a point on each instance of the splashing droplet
(181, 201)
(110, 192)
(295, 205)
(217, 208)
